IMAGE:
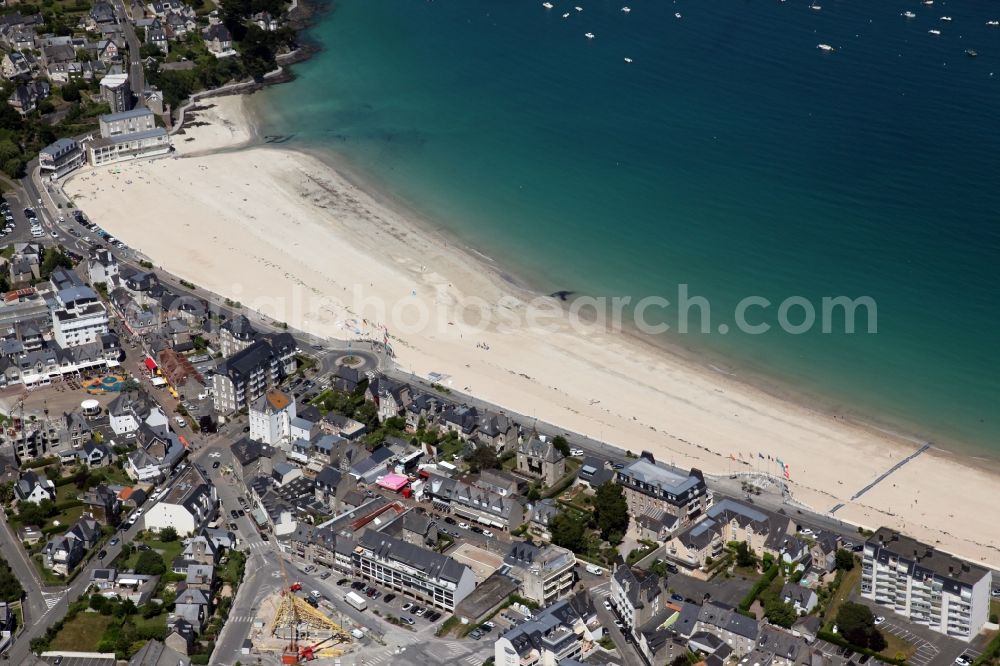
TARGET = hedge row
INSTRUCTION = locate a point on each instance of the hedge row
(759, 587)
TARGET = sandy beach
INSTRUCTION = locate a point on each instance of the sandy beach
(285, 234)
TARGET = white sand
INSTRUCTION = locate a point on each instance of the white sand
(285, 234)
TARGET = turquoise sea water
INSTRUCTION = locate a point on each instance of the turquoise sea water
(731, 155)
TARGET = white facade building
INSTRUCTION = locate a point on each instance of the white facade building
(942, 592)
(189, 506)
(271, 416)
(80, 319)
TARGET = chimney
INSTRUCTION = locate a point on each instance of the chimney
(648, 456)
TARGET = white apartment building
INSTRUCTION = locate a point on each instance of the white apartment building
(80, 317)
(545, 573)
(929, 587)
(271, 418)
(411, 570)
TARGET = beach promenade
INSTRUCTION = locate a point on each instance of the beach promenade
(285, 234)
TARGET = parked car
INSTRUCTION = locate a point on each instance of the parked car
(407, 606)
(215, 465)
(234, 514)
(879, 619)
(389, 598)
(101, 555)
(475, 635)
(676, 597)
(324, 575)
(433, 616)
(420, 610)
(963, 660)
(233, 526)
(464, 526)
(115, 542)
(476, 529)
(408, 620)
(342, 582)
(450, 520)
(487, 533)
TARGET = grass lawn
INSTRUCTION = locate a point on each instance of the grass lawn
(850, 581)
(155, 622)
(897, 648)
(168, 550)
(995, 607)
(82, 633)
(450, 447)
(68, 517)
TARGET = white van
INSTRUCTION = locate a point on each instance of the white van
(594, 569)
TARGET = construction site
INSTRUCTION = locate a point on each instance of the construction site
(289, 627)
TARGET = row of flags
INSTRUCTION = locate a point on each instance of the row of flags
(786, 470)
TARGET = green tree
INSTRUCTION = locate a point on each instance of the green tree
(780, 613)
(569, 532)
(52, 259)
(844, 559)
(70, 92)
(856, 623)
(482, 457)
(611, 510)
(6, 492)
(150, 563)
(168, 534)
(744, 555)
(561, 445)
(10, 586)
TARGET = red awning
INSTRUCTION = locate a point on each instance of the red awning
(150, 364)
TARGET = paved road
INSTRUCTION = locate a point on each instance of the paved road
(626, 649)
(137, 77)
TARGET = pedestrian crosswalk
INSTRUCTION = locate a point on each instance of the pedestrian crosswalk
(245, 619)
(256, 545)
(51, 600)
(472, 660)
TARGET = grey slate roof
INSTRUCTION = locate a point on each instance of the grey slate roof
(433, 565)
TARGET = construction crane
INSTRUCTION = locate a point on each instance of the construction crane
(293, 612)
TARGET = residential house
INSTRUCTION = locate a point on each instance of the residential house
(738, 631)
(190, 504)
(103, 505)
(559, 634)
(801, 598)
(151, 143)
(126, 122)
(391, 397)
(26, 96)
(155, 653)
(235, 335)
(15, 66)
(219, 40)
(194, 605)
(63, 553)
(111, 583)
(636, 597)
(251, 459)
(157, 36)
(539, 458)
(34, 488)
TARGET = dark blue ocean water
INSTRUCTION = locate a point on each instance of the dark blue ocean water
(731, 155)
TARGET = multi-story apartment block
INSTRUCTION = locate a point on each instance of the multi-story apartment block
(545, 573)
(652, 488)
(929, 587)
(242, 379)
(79, 317)
(411, 570)
(108, 150)
(116, 91)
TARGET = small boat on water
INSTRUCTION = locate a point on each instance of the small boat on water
(945, 18)
(825, 47)
(993, 24)
(928, 2)
(815, 7)
(677, 14)
(547, 5)
(934, 32)
(578, 8)
(971, 53)
(626, 9)
(588, 35)
(908, 14)
(566, 15)
(628, 60)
